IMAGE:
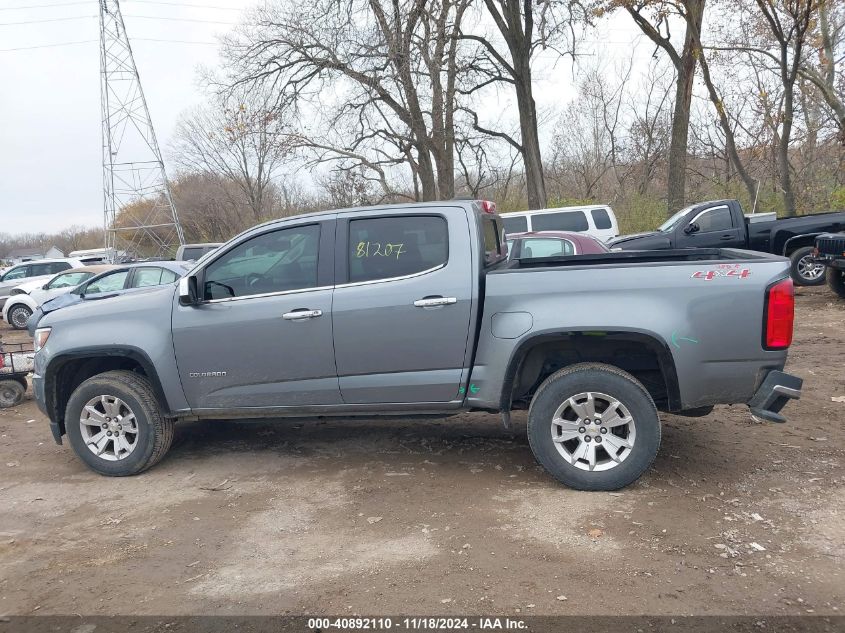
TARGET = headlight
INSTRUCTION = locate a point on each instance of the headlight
(41, 336)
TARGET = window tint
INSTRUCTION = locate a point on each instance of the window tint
(69, 280)
(601, 219)
(567, 221)
(717, 219)
(108, 283)
(192, 253)
(271, 262)
(494, 240)
(546, 248)
(380, 248)
(16, 273)
(518, 224)
(37, 270)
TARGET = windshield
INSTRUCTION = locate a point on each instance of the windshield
(675, 220)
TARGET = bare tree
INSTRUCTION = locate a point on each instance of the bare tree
(380, 77)
(526, 26)
(654, 17)
(826, 73)
(238, 136)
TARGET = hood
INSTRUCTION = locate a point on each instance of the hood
(654, 240)
(29, 285)
(114, 300)
(632, 236)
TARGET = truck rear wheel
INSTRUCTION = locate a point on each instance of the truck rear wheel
(593, 427)
(836, 281)
(115, 425)
(803, 270)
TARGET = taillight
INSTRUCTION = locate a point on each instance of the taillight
(488, 206)
(780, 315)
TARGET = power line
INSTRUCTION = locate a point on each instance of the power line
(186, 5)
(45, 6)
(78, 17)
(134, 17)
(27, 48)
(134, 39)
(156, 17)
(89, 2)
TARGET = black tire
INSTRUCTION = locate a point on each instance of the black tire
(795, 261)
(605, 379)
(836, 281)
(155, 432)
(11, 392)
(18, 316)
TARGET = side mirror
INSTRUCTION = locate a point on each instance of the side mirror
(44, 287)
(188, 293)
(691, 228)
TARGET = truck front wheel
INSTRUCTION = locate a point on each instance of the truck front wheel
(836, 281)
(115, 425)
(593, 427)
(804, 271)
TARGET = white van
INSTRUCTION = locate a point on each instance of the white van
(596, 220)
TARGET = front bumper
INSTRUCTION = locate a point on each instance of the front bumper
(832, 261)
(777, 389)
(40, 399)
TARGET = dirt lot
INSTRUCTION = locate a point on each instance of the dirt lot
(445, 516)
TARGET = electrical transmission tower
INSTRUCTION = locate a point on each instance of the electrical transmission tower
(140, 218)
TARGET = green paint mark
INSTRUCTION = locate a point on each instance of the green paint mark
(595, 333)
(474, 389)
(462, 390)
(676, 338)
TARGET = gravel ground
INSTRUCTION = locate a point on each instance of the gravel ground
(447, 516)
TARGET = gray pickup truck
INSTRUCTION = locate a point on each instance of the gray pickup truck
(416, 310)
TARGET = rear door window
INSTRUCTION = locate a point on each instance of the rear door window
(516, 224)
(382, 248)
(564, 221)
(495, 247)
(601, 219)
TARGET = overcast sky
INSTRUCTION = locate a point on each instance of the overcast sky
(50, 162)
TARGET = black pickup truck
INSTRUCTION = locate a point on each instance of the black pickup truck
(830, 252)
(722, 224)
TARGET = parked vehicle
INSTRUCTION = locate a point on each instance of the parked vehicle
(552, 244)
(721, 223)
(596, 220)
(16, 362)
(830, 252)
(24, 299)
(40, 270)
(192, 252)
(415, 310)
(115, 281)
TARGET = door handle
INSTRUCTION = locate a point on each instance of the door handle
(725, 238)
(301, 314)
(430, 302)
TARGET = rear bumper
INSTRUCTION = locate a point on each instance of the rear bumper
(777, 389)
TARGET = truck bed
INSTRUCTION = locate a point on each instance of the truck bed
(622, 258)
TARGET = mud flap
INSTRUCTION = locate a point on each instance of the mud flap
(777, 389)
